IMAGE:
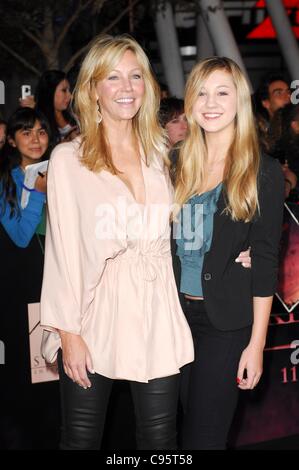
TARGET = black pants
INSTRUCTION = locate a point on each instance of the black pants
(209, 387)
(84, 411)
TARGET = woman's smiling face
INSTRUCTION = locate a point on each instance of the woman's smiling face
(121, 93)
(216, 106)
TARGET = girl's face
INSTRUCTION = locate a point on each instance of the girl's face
(121, 93)
(62, 96)
(176, 129)
(31, 143)
(216, 106)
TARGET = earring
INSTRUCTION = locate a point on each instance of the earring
(99, 115)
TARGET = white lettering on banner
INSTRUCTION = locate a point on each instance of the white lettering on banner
(295, 354)
(2, 353)
(295, 94)
(2, 92)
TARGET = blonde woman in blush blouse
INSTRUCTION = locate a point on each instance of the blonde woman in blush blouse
(109, 305)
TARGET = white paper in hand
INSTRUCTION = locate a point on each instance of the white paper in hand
(31, 173)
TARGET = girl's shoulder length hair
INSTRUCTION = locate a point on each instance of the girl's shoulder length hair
(242, 164)
(104, 54)
(22, 119)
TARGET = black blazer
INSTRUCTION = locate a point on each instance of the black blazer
(228, 288)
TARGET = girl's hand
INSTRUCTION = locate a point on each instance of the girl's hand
(76, 358)
(41, 183)
(244, 258)
(252, 361)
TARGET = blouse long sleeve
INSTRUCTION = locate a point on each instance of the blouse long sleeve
(266, 230)
(74, 258)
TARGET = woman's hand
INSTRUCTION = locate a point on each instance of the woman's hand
(76, 358)
(244, 258)
(41, 183)
(252, 361)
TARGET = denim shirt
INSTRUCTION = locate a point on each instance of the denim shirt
(195, 237)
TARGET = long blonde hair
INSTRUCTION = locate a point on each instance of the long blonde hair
(242, 163)
(104, 54)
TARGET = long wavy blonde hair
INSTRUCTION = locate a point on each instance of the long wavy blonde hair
(103, 56)
(242, 162)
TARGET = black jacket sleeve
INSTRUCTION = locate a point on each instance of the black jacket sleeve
(265, 232)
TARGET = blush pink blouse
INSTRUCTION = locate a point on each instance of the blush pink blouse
(108, 271)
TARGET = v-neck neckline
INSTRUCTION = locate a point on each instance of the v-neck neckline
(142, 164)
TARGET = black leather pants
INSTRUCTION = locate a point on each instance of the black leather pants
(84, 411)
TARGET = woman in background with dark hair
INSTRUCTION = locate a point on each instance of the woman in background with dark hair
(172, 118)
(21, 254)
(53, 98)
(284, 142)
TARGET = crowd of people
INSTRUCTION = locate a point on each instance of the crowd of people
(157, 260)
